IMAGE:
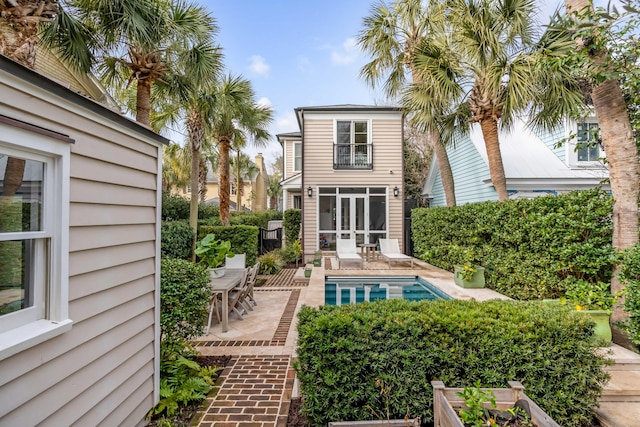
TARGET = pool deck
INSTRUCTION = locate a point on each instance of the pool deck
(256, 388)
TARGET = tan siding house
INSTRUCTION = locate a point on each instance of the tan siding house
(89, 352)
(351, 179)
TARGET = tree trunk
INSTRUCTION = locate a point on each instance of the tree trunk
(444, 166)
(496, 169)
(143, 102)
(224, 145)
(202, 180)
(238, 184)
(195, 130)
(13, 176)
(624, 170)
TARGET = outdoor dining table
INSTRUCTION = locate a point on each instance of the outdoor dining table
(223, 285)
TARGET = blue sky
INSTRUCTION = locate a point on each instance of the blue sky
(298, 53)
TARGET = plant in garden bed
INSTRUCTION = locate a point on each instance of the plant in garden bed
(481, 410)
(270, 263)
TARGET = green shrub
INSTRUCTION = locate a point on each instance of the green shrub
(630, 275)
(344, 351)
(271, 262)
(258, 218)
(527, 246)
(175, 208)
(184, 298)
(291, 224)
(287, 254)
(243, 238)
(176, 239)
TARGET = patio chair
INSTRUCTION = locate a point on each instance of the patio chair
(390, 250)
(238, 294)
(253, 275)
(236, 261)
(346, 252)
(214, 305)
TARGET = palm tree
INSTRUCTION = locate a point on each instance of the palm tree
(176, 161)
(619, 145)
(236, 116)
(274, 190)
(391, 36)
(243, 167)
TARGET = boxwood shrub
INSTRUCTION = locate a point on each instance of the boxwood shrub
(176, 238)
(243, 238)
(527, 246)
(184, 297)
(344, 351)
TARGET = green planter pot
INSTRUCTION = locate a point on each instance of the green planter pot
(601, 317)
(477, 280)
(307, 272)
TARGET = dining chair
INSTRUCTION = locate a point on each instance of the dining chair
(214, 305)
(238, 294)
(236, 261)
(253, 275)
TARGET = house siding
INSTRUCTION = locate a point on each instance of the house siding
(289, 159)
(551, 138)
(386, 134)
(469, 169)
(101, 372)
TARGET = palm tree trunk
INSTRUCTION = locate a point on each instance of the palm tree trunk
(238, 184)
(444, 166)
(143, 102)
(195, 130)
(624, 169)
(489, 128)
(13, 176)
(224, 145)
(202, 180)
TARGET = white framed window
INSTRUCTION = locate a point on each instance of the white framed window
(297, 202)
(352, 149)
(297, 156)
(34, 238)
(588, 149)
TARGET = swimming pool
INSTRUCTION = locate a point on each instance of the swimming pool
(349, 290)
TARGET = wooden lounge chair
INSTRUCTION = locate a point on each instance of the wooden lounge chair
(390, 250)
(346, 252)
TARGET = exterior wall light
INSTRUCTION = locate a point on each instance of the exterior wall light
(309, 191)
(396, 191)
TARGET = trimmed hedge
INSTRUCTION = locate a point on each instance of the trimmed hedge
(630, 275)
(527, 246)
(175, 208)
(176, 238)
(258, 218)
(184, 298)
(343, 351)
(291, 224)
(243, 238)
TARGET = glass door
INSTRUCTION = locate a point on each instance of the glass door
(353, 217)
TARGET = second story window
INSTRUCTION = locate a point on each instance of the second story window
(297, 156)
(352, 149)
(233, 189)
(588, 146)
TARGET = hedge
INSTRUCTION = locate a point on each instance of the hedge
(343, 351)
(527, 246)
(184, 298)
(175, 239)
(244, 238)
(175, 208)
(291, 224)
(630, 276)
(258, 218)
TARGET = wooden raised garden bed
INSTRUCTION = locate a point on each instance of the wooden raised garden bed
(446, 402)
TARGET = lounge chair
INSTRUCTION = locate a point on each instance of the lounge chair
(390, 250)
(346, 252)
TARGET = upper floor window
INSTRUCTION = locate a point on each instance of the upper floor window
(352, 149)
(34, 218)
(233, 189)
(297, 156)
(588, 142)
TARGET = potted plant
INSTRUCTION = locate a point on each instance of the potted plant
(307, 270)
(467, 274)
(594, 300)
(213, 252)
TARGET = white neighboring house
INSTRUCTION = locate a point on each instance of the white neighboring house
(79, 316)
(533, 164)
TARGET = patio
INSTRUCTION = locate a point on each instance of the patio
(259, 382)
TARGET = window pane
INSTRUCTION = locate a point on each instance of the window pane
(343, 133)
(377, 213)
(327, 210)
(21, 187)
(297, 154)
(17, 266)
(361, 127)
(297, 202)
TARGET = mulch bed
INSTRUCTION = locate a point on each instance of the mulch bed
(185, 414)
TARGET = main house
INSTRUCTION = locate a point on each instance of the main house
(344, 170)
(535, 163)
(80, 191)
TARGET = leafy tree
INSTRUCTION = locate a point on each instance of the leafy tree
(243, 168)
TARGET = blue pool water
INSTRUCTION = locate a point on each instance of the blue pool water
(349, 290)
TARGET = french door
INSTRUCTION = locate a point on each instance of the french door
(353, 213)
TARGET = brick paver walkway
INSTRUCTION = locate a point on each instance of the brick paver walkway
(255, 391)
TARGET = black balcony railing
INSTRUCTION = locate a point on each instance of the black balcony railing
(353, 156)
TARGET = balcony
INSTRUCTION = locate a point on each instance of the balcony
(352, 156)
